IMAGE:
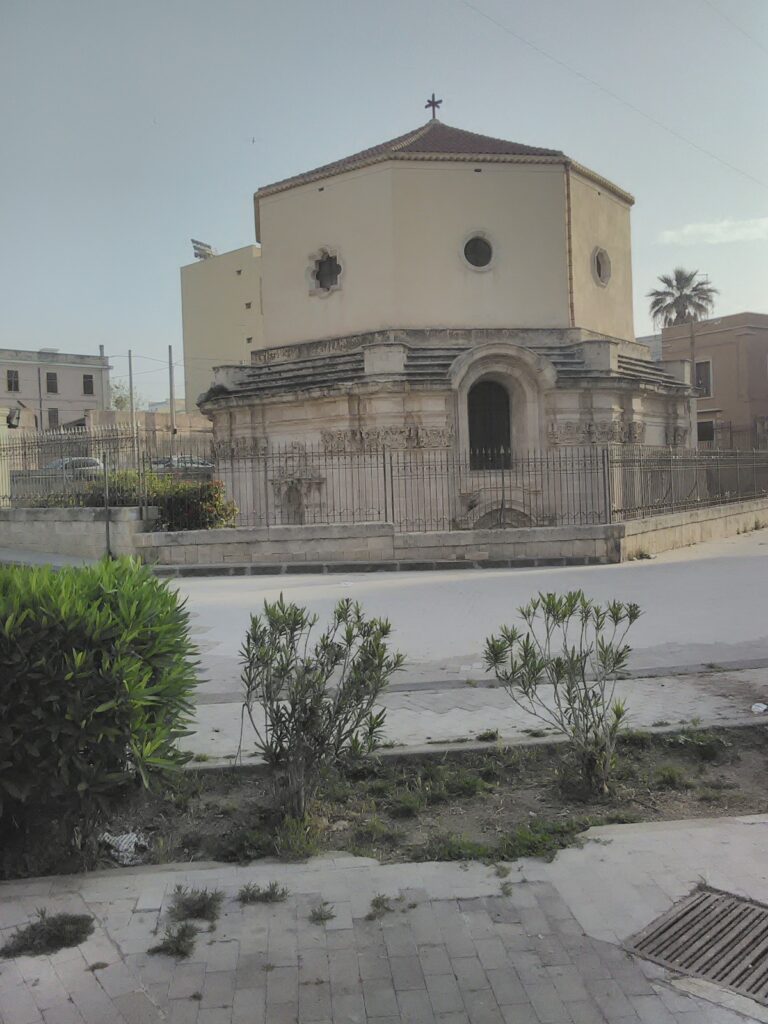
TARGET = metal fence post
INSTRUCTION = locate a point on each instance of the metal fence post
(108, 551)
(607, 488)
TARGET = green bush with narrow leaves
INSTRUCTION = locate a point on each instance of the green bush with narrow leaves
(96, 678)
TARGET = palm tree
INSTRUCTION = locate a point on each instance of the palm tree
(684, 297)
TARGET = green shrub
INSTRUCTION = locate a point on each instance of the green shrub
(183, 504)
(578, 648)
(312, 702)
(96, 676)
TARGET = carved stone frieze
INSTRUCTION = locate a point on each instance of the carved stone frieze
(344, 441)
(595, 432)
(677, 436)
(240, 447)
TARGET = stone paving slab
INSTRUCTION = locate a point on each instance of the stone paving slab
(453, 949)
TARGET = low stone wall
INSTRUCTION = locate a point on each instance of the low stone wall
(681, 529)
(73, 531)
(81, 531)
(363, 542)
(376, 542)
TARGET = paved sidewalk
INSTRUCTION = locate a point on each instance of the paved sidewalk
(444, 712)
(453, 950)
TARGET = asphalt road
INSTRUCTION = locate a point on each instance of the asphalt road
(701, 605)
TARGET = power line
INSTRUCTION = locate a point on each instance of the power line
(609, 92)
(735, 26)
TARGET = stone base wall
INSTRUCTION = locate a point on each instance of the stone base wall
(374, 542)
(379, 542)
(73, 531)
(81, 532)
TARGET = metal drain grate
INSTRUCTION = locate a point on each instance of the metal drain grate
(715, 936)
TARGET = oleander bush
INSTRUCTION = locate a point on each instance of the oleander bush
(96, 677)
(313, 700)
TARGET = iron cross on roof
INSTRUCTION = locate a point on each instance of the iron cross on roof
(434, 104)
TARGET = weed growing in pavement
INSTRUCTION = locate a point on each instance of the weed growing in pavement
(272, 893)
(195, 904)
(322, 912)
(178, 942)
(49, 933)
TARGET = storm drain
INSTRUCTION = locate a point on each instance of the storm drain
(711, 935)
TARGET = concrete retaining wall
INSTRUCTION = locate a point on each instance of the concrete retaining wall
(81, 531)
(73, 531)
(681, 529)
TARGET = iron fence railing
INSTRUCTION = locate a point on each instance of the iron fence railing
(416, 489)
(648, 481)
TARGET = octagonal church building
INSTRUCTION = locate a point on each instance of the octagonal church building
(451, 291)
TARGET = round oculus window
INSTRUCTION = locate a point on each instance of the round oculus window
(478, 251)
(601, 264)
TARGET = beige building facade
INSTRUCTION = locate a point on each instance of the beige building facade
(56, 388)
(445, 291)
(731, 356)
(221, 315)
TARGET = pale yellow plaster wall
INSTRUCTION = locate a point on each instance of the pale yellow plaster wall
(520, 208)
(215, 318)
(399, 230)
(601, 219)
(350, 214)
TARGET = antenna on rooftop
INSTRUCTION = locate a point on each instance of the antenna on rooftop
(201, 250)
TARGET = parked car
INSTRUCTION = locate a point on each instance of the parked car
(76, 467)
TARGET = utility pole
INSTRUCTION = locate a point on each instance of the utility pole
(132, 409)
(172, 395)
(171, 389)
(131, 405)
(40, 399)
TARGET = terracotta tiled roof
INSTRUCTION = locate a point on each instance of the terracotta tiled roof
(434, 139)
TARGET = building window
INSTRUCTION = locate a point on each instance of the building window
(87, 383)
(478, 252)
(53, 419)
(704, 378)
(248, 341)
(247, 305)
(238, 272)
(601, 266)
(12, 380)
(489, 426)
(706, 431)
(327, 272)
(52, 383)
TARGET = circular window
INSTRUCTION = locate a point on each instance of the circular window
(601, 266)
(478, 251)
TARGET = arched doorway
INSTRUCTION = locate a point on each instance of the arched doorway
(490, 438)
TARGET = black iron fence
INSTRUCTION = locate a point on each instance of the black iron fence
(647, 481)
(198, 483)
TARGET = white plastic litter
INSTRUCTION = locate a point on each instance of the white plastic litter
(125, 847)
(759, 708)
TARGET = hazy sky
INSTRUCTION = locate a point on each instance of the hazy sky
(129, 126)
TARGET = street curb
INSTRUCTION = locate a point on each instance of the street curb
(299, 568)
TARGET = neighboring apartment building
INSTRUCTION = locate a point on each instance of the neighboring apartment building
(60, 388)
(221, 315)
(731, 356)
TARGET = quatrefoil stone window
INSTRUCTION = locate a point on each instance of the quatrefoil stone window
(326, 272)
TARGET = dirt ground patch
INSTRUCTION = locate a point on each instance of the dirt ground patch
(495, 805)
(407, 808)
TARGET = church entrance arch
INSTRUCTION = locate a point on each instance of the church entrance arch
(488, 417)
(500, 393)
